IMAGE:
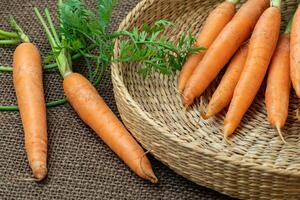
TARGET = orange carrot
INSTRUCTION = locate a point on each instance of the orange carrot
(91, 108)
(261, 48)
(295, 52)
(223, 48)
(223, 94)
(214, 24)
(28, 83)
(278, 85)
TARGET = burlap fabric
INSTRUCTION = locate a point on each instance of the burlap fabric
(80, 165)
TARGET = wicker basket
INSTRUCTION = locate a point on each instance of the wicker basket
(256, 165)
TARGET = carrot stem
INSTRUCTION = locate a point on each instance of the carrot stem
(6, 34)
(275, 3)
(19, 30)
(289, 26)
(52, 28)
(49, 105)
(63, 60)
(233, 1)
(9, 42)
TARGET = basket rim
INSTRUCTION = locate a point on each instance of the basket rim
(162, 128)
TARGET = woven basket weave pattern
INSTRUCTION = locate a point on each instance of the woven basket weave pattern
(256, 165)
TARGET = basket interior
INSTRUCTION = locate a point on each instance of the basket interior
(156, 95)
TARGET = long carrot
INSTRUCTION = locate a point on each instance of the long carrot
(224, 92)
(28, 83)
(214, 24)
(279, 83)
(223, 48)
(91, 108)
(295, 52)
(261, 48)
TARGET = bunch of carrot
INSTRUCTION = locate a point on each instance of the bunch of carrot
(251, 39)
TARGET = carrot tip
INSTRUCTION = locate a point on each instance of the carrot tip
(280, 133)
(297, 114)
(39, 172)
(149, 173)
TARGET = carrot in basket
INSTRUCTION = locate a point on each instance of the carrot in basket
(278, 84)
(224, 92)
(261, 48)
(28, 83)
(295, 52)
(92, 109)
(223, 48)
(214, 24)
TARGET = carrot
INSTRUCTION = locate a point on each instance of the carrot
(223, 48)
(91, 108)
(223, 94)
(279, 83)
(295, 52)
(261, 48)
(214, 24)
(28, 83)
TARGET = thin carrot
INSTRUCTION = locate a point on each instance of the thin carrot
(214, 24)
(28, 83)
(261, 48)
(223, 48)
(295, 52)
(223, 94)
(279, 83)
(91, 108)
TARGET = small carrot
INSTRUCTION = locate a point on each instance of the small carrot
(295, 52)
(214, 24)
(261, 48)
(92, 109)
(224, 92)
(223, 48)
(279, 83)
(28, 83)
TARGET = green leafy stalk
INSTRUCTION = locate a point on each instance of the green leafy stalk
(63, 57)
(10, 42)
(49, 105)
(288, 28)
(19, 30)
(6, 34)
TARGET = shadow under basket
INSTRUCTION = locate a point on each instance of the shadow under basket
(257, 165)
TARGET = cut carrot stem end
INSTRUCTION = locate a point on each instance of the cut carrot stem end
(233, 1)
(275, 3)
(280, 133)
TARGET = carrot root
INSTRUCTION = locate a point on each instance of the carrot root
(280, 133)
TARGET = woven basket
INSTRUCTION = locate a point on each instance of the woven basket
(256, 165)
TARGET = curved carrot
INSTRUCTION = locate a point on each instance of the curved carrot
(223, 94)
(261, 48)
(223, 48)
(91, 108)
(28, 83)
(278, 84)
(295, 52)
(214, 24)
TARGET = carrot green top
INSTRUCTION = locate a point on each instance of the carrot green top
(233, 1)
(275, 3)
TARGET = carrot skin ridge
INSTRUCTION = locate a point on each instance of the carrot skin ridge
(28, 83)
(214, 24)
(229, 40)
(224, 92)
(92, 109)
(278, 84)
(261, 48)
